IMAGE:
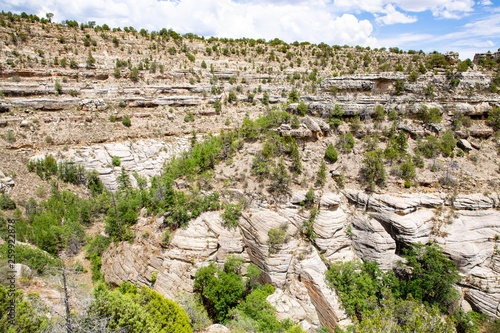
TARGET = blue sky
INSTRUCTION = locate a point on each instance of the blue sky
(464, 26)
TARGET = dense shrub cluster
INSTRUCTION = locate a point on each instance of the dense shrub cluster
(240, 303)
(413, 296)
(138, 310)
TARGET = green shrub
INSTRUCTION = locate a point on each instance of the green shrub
(399, 87)
(276, 237)
(116, 161)
(112, 118)
(126, 121)
(429, 116)
(392, 115)
(331, 154)
(139, 310)
(321, 175)
(95, 266)
(407, 184)
(97, 245)
(30, 314)
(36, 259)
(408, 170)
(265, 99)
(310, 197)
(302, 109)
(9, 136)
(6, 203)
(220, 291)
(166, 237)
(373, 171)
(58, 87)
(189, 117)
(413, 77)
(447, 143)
(293, 97)
(429, 148)
(430, 277)
(134, 74)
(346, 142)
(379, 113)
(494, 118)
(335, 118)
(231, 215)
(281, 180)
(358, 285)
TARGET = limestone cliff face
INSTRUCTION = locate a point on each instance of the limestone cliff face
(349, 225)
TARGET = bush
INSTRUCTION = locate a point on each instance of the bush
(399, 87)
(408, 170)
(189, 117)
(198, 316)
(112, 118)
(280, 179)
(392, 115)
(430, 147)
(166, 237)
(494, 118)
(413, 77)
(276, 237)
(6, 203)
(231, 215)
(430, 277)
(293, 97)
(134, 74)
(9, 136)
(335, 118)
(429, 116)
(373, 171)
(346, 142)
(220, 291)
(310, 197)
(448, 143)
(139, 310)
(331, 154)
(357, 284)
(58, 87)
(232, 97)
(302, 109)
(116, 161)
(321, 175)
(126, 121)
(379, 113)
(36, 259)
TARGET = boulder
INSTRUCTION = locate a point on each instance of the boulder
(311, 124)
(464, 145)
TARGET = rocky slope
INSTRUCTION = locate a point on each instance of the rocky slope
(350, 225)
(74, 112)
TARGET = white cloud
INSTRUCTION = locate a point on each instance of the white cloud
(404, 40)
(393, 16)
(439, 8)
(289, 20)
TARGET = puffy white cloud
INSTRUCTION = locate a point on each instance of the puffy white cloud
(393, 16)
(289, 20)
(439, 8)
